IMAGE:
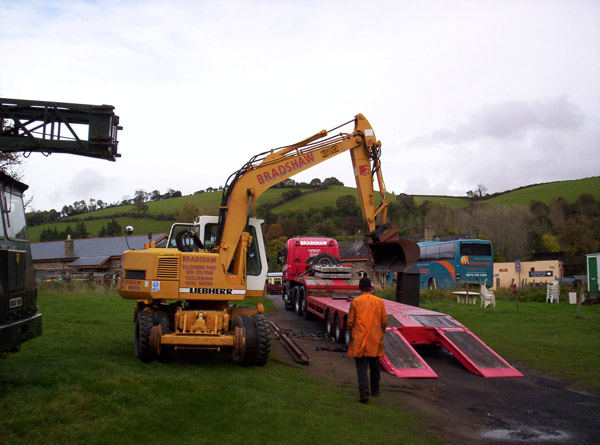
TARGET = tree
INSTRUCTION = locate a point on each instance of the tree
(187, 212)
(346, 206)
(113, 228)
(80, 231)
(481, 190)
(332, 181)
(315, 182)
(275, 231)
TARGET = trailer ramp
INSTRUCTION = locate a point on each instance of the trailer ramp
(409, 326)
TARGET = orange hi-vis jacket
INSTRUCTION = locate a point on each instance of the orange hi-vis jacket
(367, 321)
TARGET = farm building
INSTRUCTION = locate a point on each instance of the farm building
(527, 273)
(99, 256)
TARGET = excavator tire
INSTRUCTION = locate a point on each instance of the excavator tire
(161, 318)
(263, 331)
(247, 353)
(143, 326)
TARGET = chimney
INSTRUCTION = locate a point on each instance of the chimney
(69, 247)
(429, 233)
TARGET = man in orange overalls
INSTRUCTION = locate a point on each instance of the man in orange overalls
(367, 321)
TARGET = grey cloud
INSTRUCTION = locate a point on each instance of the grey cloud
(511, 120)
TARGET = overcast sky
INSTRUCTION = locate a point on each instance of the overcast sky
(501, 93)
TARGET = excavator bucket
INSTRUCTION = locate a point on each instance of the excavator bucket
(395, 255)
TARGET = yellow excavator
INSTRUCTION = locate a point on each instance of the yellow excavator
(186, 293)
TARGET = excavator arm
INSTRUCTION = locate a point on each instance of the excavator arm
(267, 169)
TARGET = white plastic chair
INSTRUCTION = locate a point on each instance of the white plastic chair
(553, 292)
(487, 296)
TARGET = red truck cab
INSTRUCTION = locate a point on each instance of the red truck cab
(300, 253)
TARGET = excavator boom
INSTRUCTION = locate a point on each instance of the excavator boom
(59, 127)
(267, 169)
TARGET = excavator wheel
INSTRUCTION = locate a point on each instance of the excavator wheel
(161, 318)
(143, 328)
(263, 332)
(245, 340)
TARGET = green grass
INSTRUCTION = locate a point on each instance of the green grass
(545, 193)
(547, 337)
(141, 226)
(80, 383)
(443, 201)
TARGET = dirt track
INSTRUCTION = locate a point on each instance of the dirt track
(459, 407)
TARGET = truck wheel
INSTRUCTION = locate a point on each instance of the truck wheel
(287, 298)
(304, 303)
(328, 325)
(263, 331)
(143, 326)
(297, 302)
(245, 340)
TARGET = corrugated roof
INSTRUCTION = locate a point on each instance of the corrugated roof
(90, 247)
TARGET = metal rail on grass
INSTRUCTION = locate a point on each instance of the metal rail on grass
(290, 345)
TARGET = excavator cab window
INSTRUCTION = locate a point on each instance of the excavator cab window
(253, 264)
(14, 215)
(179, 228)
(210, 235)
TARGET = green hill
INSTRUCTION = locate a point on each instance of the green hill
(208, 203)
(569, 190)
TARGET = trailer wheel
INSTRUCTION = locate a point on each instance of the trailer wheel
(263, 331)
(143, 328)
(337, 329)
(328, 325)
(346, 333)
(245, 340)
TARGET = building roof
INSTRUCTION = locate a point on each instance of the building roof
(353, 250)
(90, 252)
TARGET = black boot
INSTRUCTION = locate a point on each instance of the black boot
(375, 391)
(364, 393)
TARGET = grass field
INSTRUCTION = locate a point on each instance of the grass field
(547, 337)
(208, 203)
(80, 383)
(569, 190)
